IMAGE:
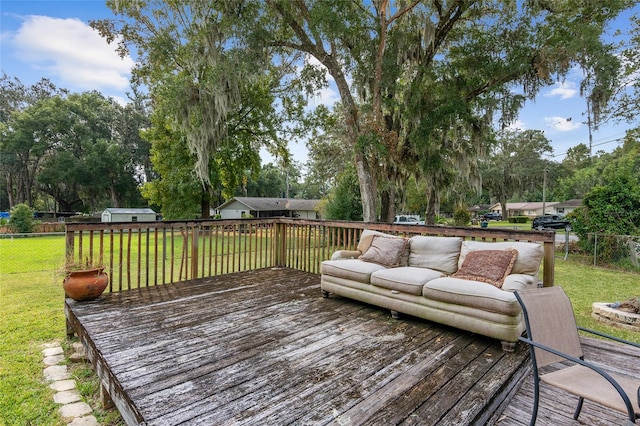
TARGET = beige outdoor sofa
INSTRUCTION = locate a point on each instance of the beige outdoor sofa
(463, 284)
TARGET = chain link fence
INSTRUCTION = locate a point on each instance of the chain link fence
(23, 253)
(622, 251)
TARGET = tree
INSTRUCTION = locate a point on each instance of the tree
(428, 76)
(626, 97)
(612, 206)
(420, 82)
(20, 153)
(516, 164)
(329, 155)
(86, 166)
(344, 202)
(21, 218)
(207, 88)
(177, 191)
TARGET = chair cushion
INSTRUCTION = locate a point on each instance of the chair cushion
(351, 269)
(488, 266)
(439, 253)
(385, 251)
(585, 382)
(408, 279)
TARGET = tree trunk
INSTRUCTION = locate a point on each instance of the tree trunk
(10, 190)
(366, 175)
(432, 207)
(368, 187)
(388, 198)
(114, 195)
(205, 205)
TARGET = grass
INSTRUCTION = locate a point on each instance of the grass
(31, 303)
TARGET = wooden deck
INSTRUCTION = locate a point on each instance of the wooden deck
(557, 407)
(264, 348)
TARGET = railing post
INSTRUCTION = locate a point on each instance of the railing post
(280, 244)
(194, 253)
(548, 268)
(69, 246)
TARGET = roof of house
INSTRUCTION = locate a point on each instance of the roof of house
(260, 204)
(479, 208)
(570, 203)
(535, 205)
(129, 211)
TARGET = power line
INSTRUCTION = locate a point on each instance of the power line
(595, 144)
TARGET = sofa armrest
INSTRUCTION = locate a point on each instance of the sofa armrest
(345, 254)
(515, 282)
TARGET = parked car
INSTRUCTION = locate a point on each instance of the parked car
(405, 219)
(491, 216)
(550, 221)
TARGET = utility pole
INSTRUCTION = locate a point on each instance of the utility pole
(544, 192)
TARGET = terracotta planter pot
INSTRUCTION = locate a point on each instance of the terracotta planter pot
(85, 284)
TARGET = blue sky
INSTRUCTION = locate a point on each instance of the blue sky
(52, 39)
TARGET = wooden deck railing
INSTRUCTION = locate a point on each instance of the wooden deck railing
(152, 253)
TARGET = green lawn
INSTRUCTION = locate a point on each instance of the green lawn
(31, 303)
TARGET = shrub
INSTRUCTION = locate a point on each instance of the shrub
(21, 219)
(518, 219)
(461, 217)
(608, 210)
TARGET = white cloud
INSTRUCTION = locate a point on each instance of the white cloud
(72, 51)
(566, 90)
(327, 96)
(562, 124)
(517, 125)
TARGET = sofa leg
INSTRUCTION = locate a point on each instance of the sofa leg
(508, 346)
(395, 314)
(325, 294)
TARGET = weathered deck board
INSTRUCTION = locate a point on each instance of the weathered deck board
(557, 407)
(264, 347)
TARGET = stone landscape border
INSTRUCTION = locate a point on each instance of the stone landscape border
(73, 410)
(615, 317)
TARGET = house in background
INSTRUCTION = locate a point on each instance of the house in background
(239, 207)
(128, 215)
(479, 209)
(567, 207)
(533, 209)
(529, 209)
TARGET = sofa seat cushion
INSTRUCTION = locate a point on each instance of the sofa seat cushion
(474, 294)
(439, 253)
(352, 269)
(408, 279)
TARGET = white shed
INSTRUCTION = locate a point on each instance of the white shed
(128, 215)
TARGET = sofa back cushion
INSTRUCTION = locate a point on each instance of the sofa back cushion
(385, 251)
(439, 253)
(527, 262)
(367, 237)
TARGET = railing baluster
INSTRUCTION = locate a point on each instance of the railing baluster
(229, 246)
